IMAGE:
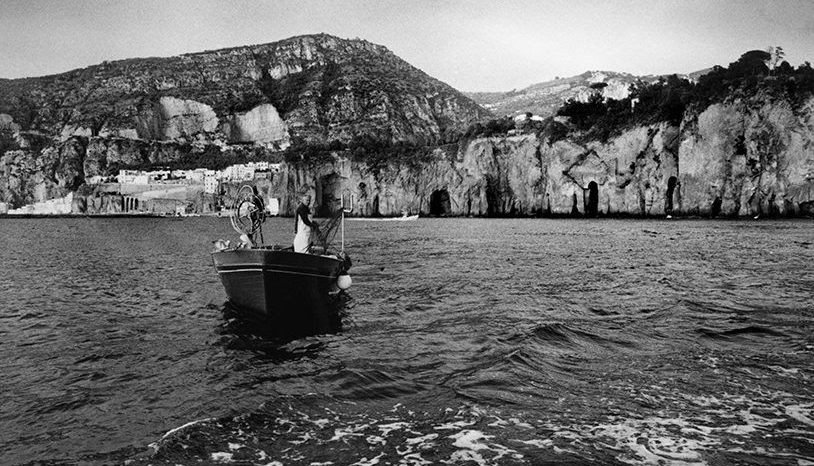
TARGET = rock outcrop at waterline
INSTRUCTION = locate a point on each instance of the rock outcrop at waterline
(730, 160)
(749, 153)
(737, 159)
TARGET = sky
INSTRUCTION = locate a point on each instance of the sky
(475, 45)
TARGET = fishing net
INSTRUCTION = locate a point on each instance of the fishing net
(324, 236)
(248, 215)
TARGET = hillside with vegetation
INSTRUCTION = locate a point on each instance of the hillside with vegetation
(316, 88)
(288, 100)
(738, 141)
(756, 76)
(545, 98)
(735, 141)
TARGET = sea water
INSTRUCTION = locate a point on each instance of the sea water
(468, 341)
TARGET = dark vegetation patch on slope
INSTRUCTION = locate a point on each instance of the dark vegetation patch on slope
(669, 99)
(755, 74)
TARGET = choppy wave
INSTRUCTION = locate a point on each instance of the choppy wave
(312, 429)
(464, 341)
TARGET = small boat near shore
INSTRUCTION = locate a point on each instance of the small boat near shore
(403, 218)
(292, 293)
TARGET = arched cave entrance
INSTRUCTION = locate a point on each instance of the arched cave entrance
(440, 203)
(716, 207)
(774, 211)
(492, 197)
(361, 204)
(668, 198)
(574, 208)
(592, 200)
(375, 206)
(331, 187)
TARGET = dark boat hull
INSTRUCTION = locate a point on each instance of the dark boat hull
(289, 292)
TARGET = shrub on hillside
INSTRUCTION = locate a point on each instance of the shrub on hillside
(494, 127)
(755, 73)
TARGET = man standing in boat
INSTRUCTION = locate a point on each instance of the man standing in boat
(304, 225)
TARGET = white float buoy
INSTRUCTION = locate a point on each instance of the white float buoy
(343, 281)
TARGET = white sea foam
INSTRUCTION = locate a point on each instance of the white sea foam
(801, 412)
(784, 371)
(321, 422)
(471, 442)
(454, 425)
(368, 462)
(422, 439)
(172, 431)
(414, 459)
(375, 440)
(520, 423)
(649, 440)
(537, 443)
(470, 439)
(155, 446)
(649, 457)
(387, 428)
(352, 431)
(221, 457)
(468, 455)
(740, 429)
(304, 437)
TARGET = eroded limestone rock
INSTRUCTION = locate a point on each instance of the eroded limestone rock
(262, 124)
(740, 160)
(173, 119)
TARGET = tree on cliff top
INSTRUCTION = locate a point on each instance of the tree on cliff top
(756, 72)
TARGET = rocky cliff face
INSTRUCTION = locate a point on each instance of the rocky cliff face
(749, 158)
(746, 157)
(304, 90)
(315, 88)
(739, 159)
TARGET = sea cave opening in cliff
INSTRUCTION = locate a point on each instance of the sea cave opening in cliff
(715, 210)
(439, 203)
(592, 200)
(492, 196)
(330, 187)
(668, 201)
(374, 206)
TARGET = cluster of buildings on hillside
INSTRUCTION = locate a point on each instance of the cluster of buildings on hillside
(209, 178)
(149, 190)
(57, 206)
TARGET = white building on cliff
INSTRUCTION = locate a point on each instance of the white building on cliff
(58, 206)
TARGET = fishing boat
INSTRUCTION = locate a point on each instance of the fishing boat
(293, 293)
